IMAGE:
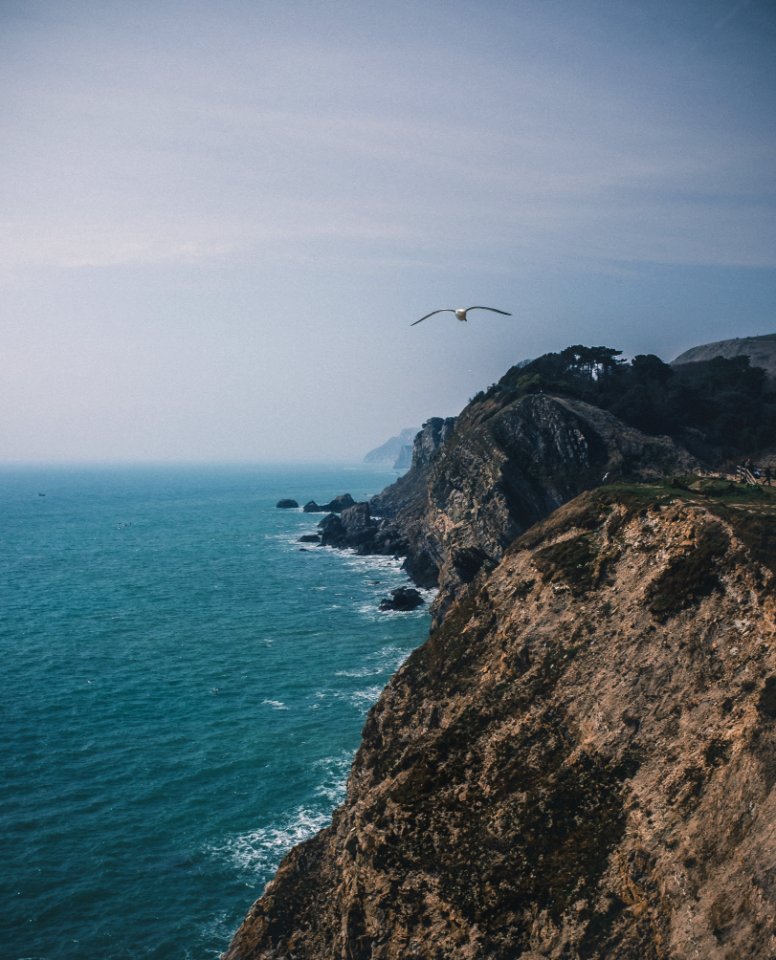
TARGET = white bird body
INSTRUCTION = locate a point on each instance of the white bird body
(460, 313)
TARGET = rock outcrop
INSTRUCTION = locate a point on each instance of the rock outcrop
(580, 761)
(352, 528)
(286, 504)
(479, 481)
(402, 599)
(404, 459)
(337, 505)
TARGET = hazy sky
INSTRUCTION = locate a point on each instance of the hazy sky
(218, 220)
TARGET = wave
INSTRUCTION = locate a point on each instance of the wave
(361, 699)
(260, 851)
(372, 562)
(386, 660)
(335, 777)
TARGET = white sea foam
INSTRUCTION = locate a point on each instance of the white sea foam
(260, 851)
(372, 562)
(368, 671)
(275, 704)
(391, 658)
(371, 610)
(386, 660)
(335, 772)
(362, 699)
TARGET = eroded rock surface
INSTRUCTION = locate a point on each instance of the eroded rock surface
(579, 762)
(485, 478)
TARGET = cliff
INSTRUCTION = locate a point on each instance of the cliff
(393, 452)
(479, 481)
(579, 762)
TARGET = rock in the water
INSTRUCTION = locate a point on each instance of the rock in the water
(310, 538)
(337, 505)
(286, 504)
(403, 598)
(354, 528)
(340, 503)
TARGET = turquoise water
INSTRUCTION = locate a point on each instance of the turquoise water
(183, 692)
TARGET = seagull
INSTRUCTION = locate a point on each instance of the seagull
(460, 313)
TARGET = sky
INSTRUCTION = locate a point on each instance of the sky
(218, 220)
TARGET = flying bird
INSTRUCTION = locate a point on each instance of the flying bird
(460, 313)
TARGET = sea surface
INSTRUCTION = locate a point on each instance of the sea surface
(183, 690)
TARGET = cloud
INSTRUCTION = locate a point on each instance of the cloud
(125, 148)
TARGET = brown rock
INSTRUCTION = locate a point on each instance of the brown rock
(578, 763)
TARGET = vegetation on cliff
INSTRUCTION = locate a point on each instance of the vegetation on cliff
(716, 408)
(580, 761)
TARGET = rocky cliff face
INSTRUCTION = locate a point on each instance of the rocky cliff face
(478, 482)
(408, 493)
(578, 763)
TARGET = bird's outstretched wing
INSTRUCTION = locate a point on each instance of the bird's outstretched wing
(446, 310)
(492, 309)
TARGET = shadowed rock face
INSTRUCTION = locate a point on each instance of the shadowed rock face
(578, 763)
(337, 505)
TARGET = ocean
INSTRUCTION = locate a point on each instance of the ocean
(184, 688)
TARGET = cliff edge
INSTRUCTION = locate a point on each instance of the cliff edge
(480, 480)
(579, 762)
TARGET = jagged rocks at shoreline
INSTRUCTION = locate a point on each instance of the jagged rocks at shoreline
(579, 762)
(478, 481)
(337, 505)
